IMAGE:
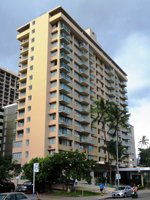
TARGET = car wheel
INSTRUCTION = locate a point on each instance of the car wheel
(125, 195)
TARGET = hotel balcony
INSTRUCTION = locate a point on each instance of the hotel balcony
(109, 72)
(84, 120)
(64, 99)
(64, 57)
(65, 38)
(123, 84)
(65, 48)
(21, 105)
(84, 90)
(64, 67)
(25, 42)
(84, 81)
(65, 29)
(84, 64)
(65, 110)
(67, 136)
(84, 100)
(88, 140)
(23, 59)
(23, 68)
(92, 69)
(65, 123)
(111, 93)
(65, 89)
(64, 78)
(84, 55)
(110, 86)
(24, 50)
(84, 129)
(64, 147)
(124, 103)
(83, 72)
(22, 77)
(22, 86)
(83, 47)
(123, 96)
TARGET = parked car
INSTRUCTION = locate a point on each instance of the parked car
(7, 187)
(27, 187)
(123, 191)
(14, 196)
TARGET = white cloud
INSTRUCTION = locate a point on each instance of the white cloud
(133, 57)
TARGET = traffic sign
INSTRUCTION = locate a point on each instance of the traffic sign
(36, 167)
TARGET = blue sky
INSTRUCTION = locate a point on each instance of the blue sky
(122, 28)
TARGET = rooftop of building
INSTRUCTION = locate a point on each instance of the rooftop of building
(60, 9)
(9, 71)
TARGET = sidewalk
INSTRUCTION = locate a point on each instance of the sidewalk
(50, 197)
(106, 195)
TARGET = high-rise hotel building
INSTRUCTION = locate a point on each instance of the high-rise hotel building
(8, 87)
(62, 71)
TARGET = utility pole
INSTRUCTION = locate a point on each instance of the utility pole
(117, 165)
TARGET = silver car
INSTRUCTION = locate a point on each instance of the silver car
(14, 196)
(122, 191)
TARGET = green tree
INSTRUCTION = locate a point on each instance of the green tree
(143, 142)
(61, 167)
(112, 118)
(144, 155)
(5, 167)
(122, 150)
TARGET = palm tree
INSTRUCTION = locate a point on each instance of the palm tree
(99, 114)
(143, 142)
(117, 118)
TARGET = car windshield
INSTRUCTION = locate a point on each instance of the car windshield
(120, 188)
(2, 196)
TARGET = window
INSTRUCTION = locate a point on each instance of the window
(29, 108)
(54, 63)
(29, 98)
(53, 116)
(53, 73)
(53, 83)
(32, 48)
(52, 141)
(54, 44)
(33, 30)
(27, 142)
(31, 58)
(27, 154)
(30, 87)
(53, 106)
(52, 128)
(32, 40)
(55, 34)
(17, 144)
(30, 77)
(28, 119)
(27, 130)
(17, 156)
(31, 67)
(52, 94)
(54, 53)
(33, 22)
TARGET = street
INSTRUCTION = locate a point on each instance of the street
(143, 195)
